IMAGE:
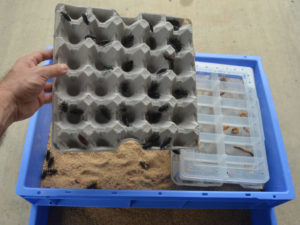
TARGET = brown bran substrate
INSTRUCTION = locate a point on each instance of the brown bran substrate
(116, 216)
(111, 170)
(122, 170)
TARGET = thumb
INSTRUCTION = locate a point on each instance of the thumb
(52, 70)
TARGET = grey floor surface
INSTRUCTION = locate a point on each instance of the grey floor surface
(266, 28)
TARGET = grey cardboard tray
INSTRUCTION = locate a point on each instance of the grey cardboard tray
(128, 78)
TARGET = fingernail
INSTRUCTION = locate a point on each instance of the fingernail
(64, 68)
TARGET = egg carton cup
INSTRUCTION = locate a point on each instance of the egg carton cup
(128, 78)
(232, 148)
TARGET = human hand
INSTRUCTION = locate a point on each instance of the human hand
(22, 91)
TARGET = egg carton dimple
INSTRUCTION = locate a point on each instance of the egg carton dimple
(128, 78)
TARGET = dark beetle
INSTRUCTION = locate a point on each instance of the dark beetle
(153, 90)
(153, 116)
(90, 36)
(144, 165)
(92, 185)
(151, 42)
(126, 117)
(176, 151)
(48, 155)
(180, 93)
(76, 111)
(175, 24)
(108, 67)
(44, 174)
(151, 27)
(102, 42)
(170, 60)
(152, 140)
(125, 120)
(163, 70)
(105, 114)
(125, 89)
(63, 107)
(66, 16)
(163, 108)
(175, 43)
(165, 142)
(51, 172)
(50, 162)
(85, 19)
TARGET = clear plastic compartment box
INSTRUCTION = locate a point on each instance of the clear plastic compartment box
(232, 147)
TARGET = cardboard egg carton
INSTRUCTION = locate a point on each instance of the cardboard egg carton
(128, 78)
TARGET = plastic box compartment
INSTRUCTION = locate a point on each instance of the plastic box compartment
(39, 216)
(278, 189)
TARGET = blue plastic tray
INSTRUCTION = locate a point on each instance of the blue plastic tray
(39, 216)
(278, 190)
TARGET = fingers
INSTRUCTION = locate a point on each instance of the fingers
(48, 87)
(45, 99)
(40, 56)
(52, 70)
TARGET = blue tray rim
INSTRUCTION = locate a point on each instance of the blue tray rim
(39, 216)
(276, 197)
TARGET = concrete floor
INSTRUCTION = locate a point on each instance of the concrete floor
(270, 29)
